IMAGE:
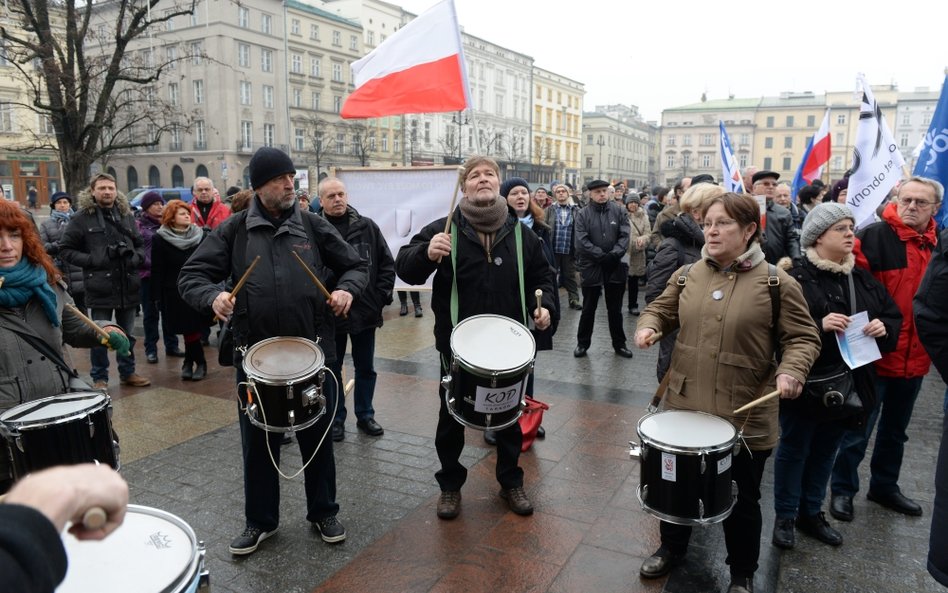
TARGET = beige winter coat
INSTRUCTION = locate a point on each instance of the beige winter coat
(639, 228)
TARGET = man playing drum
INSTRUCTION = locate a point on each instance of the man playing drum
(278, 299)
(478, 270)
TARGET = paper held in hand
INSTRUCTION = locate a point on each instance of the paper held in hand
(855, 346)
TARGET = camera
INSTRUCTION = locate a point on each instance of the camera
(120, 249)
(833, 399)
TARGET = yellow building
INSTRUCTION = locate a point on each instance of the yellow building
(557, 126)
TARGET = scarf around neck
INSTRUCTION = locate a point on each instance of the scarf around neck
(485, 219)
(64, 216)
(183, 241)
(25, 281)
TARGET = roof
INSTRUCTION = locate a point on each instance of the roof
(323, 13)
(718, 104)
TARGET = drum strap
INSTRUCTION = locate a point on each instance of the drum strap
(518, 238)
(38, 343)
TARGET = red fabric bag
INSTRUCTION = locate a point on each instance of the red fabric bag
(530, 421)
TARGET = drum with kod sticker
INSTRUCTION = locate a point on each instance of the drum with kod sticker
(491, 358)
(152, 551)
(685, 462)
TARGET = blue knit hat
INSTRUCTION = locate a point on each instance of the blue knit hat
(511, 183)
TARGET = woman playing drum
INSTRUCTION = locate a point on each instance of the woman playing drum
(726, 356)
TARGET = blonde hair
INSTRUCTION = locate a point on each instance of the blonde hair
(695, 196)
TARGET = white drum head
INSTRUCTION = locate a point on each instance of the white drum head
(493, 343)
(50, 409)
(283, 360)
(687, 430)
(152, 552)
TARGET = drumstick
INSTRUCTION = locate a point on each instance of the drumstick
(94, 518)
(349, 386)
(654, 338)
(95, 326)
(539, 295)
(758, 401)
(241, 282)
(313, 277)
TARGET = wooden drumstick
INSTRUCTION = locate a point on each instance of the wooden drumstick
(654, 338)
(95, 326)
(313, 277)
(758, 401)
(94, 518)
(241, 282)
(539, 295)
(349, 385)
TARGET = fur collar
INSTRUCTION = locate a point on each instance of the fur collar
(746, 261)
(86, 203)
(830, 266)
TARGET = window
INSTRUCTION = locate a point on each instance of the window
(340, 143)
(314, 100)
(907, 119)
(336, 103)
(789, 121)
(195, 20)
(768, 163)
(499, 104)
(384, 142)
(200, 135)
(427, 132)
(268, 96)
(336, 72)
(266, 23)
(297, 97)
(337, 38)
(686, 140)
(686, 160)
(296, 64)
(299, 138)
(786, 163)
(174, 94)
(706, 160)
(197, 53)
(172, 55)
(246, 135)
(742, 161)
(7, 123)
(245, 92)
(353, 42)
(589, 139)
(707, 140)
(839, 139)
(316, 67)
(372, 144)
(268, 132)
(810, 121)
(243, 55)
(46, 124)
(314, 32)
(788, 142)
(396, 142)
(768, 143)
(175, 143)
(169, 24)
(744, 139)
(838, 163)
(243, 17)
(841, 119)
(198, 86)
(266, 60)
(770, 121)
(903, 140)
(672, 139)
(295, 26)
(370, 38)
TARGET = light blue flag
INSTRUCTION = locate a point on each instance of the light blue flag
(730, 174)
(933, 159)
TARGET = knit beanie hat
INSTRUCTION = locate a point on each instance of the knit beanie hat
(60, 195)
(511, 183)
(150, 198)
(822, 217)
(267, 163)
(838, 187)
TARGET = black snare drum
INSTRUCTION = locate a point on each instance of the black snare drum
(284, 388)
(686, 467)
(60, 430)
(492, 357)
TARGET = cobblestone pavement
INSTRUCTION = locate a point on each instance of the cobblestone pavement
(181, 447)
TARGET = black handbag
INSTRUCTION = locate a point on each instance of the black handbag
(225, 346)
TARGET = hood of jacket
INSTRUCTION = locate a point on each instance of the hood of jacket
(86, 203)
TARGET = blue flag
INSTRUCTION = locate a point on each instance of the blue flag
(933, 159)
(731, 175)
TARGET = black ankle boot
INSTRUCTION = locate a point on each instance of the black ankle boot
(187, 370)
(200, 363)
(404, 310)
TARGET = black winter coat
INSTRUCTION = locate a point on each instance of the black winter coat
(166, 263)
(682, 245)
(931, 309)
(487, 282)
(826, 291)
(781, 238)
(602, 238)
(51, 231)
(279, 298)
(366, 237)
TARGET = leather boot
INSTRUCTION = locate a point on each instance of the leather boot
(187, 369)
(200, 367)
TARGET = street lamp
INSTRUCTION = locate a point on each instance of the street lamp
(600, 143)
(461, 120)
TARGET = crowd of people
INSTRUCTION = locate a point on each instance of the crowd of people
(744, 302)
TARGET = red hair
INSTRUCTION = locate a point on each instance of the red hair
(12, 218)
(171, 210)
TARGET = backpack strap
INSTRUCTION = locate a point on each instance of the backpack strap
(773, 284)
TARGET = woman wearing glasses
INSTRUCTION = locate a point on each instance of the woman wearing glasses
(725, 357)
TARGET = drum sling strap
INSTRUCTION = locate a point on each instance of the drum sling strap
(518, 238)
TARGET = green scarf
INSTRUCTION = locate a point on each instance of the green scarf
(25, 281)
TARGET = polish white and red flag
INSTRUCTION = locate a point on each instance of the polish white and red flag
(419, 69)
(816, 156)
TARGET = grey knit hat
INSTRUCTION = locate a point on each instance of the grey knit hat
(822, 217)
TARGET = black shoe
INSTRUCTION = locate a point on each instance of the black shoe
(579, 352)
(187, 370)
(330, 529)
(247, 542)
(418, 312)
(370, 427)
(152, 357)
(449, 504)
(660, 563)
(784, 537)
(634, 310)
(841, 507)
(897, 502)
(404, 310)
(490, 437)
(624, 352)
(574, 305)
(176, 353)
(338, 432)
(818, 527)
(517, 500)
(741, 585)
(541, 432)
(200, 371)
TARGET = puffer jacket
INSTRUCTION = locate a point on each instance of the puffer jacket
(366, 237)
(147, 226)
(682, 245)
(107, 246)
(602, 238)
(51, 231)
(724, 357)
(217, 214)
(897, 256)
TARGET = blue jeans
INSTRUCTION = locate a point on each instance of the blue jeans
(99, 356)
(893, 410)
(261, 481)
(150, 315)
(803, 462)
(363, 358)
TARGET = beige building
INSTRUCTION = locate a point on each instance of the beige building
(618, 145)
(784, 127)
(557, 127)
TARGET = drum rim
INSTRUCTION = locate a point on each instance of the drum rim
(54, 420)
(193, 569)
(479, 371)
(678, 448)
(289, 380)
(677, 520)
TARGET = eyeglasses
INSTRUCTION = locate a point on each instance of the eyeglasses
(724, 222)
(906, 201)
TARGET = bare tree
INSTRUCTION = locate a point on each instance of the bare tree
(451, 145)
(362, 142)
(79, 72)
(318, 131)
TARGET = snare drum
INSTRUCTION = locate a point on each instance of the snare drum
(284, 384)
(686, 467)
(60, 430)
(151, 552)
(492, 357)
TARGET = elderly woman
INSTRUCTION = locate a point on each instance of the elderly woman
(32, 312)
(809, 435)
(173, 244)
(640, 233)
(733, 332)
(51, 230)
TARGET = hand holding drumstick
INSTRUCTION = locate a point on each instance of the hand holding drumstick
(223, 304)
(541, 317)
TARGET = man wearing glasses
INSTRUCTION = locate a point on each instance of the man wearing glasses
(896, 250)
(781, 238)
